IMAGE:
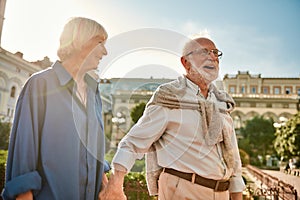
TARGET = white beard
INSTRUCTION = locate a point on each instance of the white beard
(208, 77)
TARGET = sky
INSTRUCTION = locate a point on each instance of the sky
(145, 37)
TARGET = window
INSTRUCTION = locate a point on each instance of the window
(265, 90)
(285, 105)
(288, 90)
(232, 89)
(13, 92)
(253, 90)
(243, 90)
(276, 90)
(252, 105)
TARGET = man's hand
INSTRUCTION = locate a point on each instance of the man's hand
(25, 196)
(114, 189)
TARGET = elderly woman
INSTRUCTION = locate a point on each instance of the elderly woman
(57, 143)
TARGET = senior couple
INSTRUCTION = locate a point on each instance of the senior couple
(56, 148)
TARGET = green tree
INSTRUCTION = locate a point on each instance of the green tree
(287, 142)
(4, 134)
(258, 136)
(137, 112)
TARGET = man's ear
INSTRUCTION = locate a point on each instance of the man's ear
(186, 64)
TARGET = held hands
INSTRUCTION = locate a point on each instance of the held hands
(113, 190)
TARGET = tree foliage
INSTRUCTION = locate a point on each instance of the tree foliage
(137, 112)
(4, 134)
(287, 142)
(258, 136)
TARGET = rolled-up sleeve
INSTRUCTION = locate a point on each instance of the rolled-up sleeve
(23, 152)
(21, 184)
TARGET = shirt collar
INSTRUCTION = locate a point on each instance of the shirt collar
(91, 82)
(64, 77)
(195, 88)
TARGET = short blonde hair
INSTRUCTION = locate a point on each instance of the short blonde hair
(76, 33)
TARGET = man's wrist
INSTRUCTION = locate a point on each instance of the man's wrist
(118, 174)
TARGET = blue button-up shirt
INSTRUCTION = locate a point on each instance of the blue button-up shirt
(57, 144)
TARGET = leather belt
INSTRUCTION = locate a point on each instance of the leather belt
(217, 186)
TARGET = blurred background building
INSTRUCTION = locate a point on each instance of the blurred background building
(271, 98)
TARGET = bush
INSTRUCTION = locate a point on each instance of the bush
(4, 134)
(3, 157)
(244, 157)
(135, 186)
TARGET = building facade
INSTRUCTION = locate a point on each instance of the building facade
(272, 98)
(14, 71)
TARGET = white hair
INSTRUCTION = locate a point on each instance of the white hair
(191, 41)
(76, 33)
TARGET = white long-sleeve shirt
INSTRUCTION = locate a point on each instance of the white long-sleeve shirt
(176, 136)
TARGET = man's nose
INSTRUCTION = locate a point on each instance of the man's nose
(213, 56)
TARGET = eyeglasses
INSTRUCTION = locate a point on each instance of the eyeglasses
(205, 52)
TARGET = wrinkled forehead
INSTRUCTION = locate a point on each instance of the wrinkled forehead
(198, 43)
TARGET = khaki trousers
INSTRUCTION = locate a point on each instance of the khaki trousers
(174, 188)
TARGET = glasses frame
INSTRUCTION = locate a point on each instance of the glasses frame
(217, 53)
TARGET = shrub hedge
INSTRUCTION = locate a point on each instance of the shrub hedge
(3, 156)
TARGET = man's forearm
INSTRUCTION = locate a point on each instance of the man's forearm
(117, 176)
(114, 189)
(236, 196)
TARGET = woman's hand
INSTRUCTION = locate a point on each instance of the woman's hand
(25, 196)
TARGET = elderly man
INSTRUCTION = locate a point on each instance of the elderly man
(187, 123)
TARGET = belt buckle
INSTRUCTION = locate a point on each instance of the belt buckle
(217, 185)
(224, 188)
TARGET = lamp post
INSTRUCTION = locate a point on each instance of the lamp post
(278, 126)
(118, 120)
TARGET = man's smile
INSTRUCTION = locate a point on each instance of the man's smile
(209, 67)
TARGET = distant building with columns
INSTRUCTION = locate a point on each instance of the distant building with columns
(268, 97)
